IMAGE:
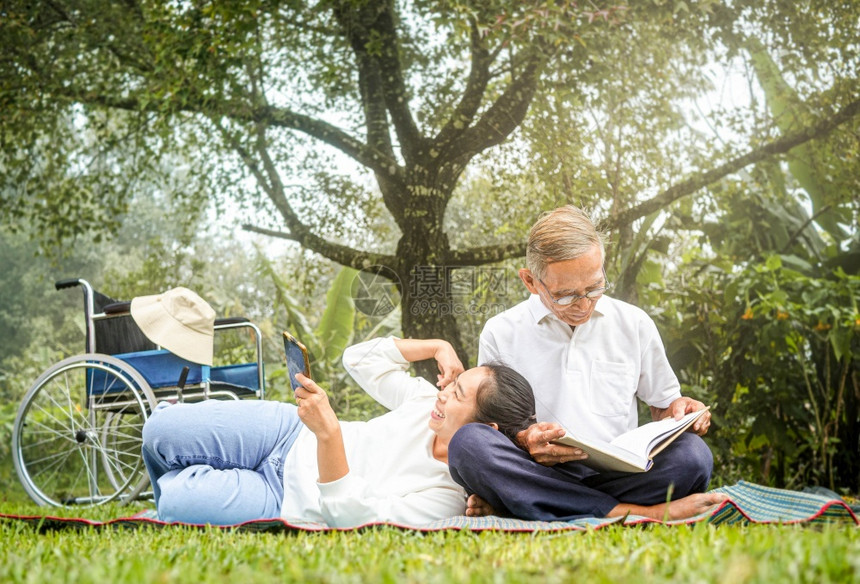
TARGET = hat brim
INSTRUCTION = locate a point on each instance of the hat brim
(163, 329)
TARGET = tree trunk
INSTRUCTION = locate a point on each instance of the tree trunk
(430, 314)
(427, 303)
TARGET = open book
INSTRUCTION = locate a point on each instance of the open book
(633, 451)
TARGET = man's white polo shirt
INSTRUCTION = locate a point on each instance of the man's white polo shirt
(586, 379)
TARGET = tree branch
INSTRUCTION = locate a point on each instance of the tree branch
(133, 58)
(269, 115)
(797, 233)
(343, 255)
(504, 116)
(698, 181)
(488, 254)
(479, 77)
(379, 160)
(270, 181)
(394, 87)
(354, 22)
(368, 156)
(277, 193)
(249, 161)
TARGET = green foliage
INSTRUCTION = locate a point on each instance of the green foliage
(349, 126)
(334, 331)
(761, 318)
(807, 378)
(338, 326)
(775, 350)
(821, 170)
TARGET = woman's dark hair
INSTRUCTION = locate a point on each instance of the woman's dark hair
(505, 398)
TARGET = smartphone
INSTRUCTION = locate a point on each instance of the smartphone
(297, 359)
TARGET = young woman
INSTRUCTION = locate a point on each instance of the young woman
(225, 462)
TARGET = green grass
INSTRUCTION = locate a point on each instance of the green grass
(701, 553)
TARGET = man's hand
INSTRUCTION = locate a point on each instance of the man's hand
(681, 407)
(477, 507)
(537, 439)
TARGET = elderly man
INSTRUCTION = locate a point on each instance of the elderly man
(589, 358)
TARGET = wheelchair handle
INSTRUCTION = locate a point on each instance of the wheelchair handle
(63, 284)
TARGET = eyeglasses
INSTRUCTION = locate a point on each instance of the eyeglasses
(568, 300)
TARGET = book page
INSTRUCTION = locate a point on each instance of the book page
(645, 438)
(633, 450)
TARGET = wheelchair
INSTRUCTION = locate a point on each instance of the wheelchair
(77, 434)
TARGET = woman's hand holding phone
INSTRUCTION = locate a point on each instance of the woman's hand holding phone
(316, 413)
(314, 408)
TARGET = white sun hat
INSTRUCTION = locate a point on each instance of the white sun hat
(178, 320)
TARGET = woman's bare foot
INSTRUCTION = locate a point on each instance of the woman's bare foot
(685, 508)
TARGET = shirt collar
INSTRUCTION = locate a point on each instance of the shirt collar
(539, 311)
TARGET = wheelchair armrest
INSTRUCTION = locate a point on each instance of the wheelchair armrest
(231, 320)
(117, 308)
(125, 307)
(240, 322)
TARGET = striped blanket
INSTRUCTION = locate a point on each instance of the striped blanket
(748, 503)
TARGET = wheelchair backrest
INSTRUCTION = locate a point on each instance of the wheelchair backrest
(119, 334)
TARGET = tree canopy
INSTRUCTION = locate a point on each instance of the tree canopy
(349, 126)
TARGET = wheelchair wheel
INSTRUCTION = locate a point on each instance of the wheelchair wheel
(77, 435)
(123, 465)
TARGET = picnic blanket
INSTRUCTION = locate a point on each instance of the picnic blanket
(748, 504)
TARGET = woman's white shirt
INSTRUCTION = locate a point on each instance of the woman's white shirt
(393, 475)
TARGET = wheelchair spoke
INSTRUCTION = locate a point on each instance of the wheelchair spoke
(51, 474)
(116, 467)
(121, 436)
(127, 447)
(123, 469)
(36, 446)
(42, 427)
(72, 408)
(57, 406)
(55, 461)
(129, 432)
(91, 472)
